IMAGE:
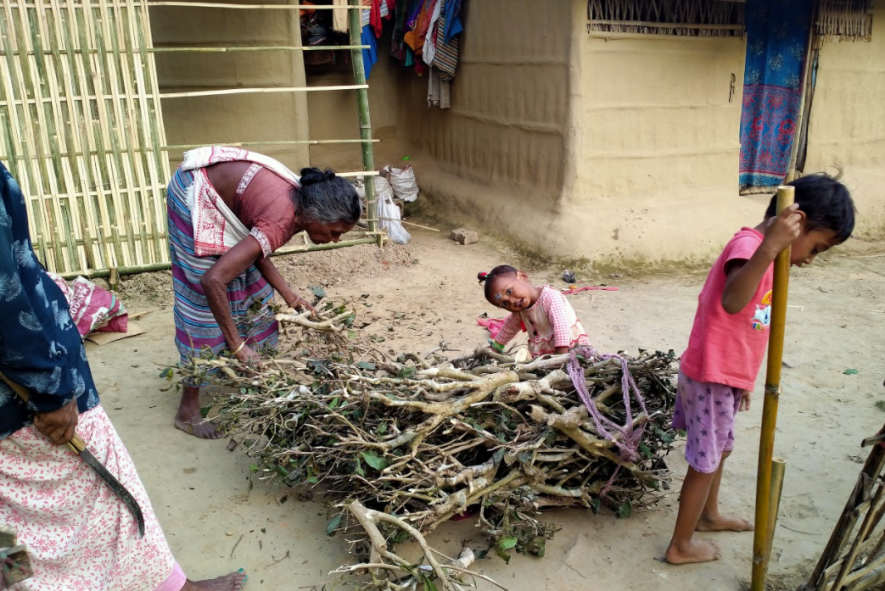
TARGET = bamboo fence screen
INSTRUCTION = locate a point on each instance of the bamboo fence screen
(81, 128)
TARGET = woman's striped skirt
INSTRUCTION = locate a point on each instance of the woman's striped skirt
(249, 295)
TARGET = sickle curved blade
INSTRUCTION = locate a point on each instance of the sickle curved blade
(118, 488)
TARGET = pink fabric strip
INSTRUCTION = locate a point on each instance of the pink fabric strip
(175, 581)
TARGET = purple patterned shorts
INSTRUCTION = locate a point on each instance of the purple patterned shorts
(706, 413)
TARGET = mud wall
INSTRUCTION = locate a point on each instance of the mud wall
(334, 115)
(846, 126)
(656, 124)
(586, 147)
(234, 118)
(498, 155)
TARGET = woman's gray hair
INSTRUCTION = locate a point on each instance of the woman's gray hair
(325, 198)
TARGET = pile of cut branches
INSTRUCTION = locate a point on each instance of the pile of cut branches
(426, 438)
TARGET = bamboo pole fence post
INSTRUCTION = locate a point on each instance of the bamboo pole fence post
(362, 95)
(778, 469)
(761, 551)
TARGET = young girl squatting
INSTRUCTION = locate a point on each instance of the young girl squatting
(551, 322)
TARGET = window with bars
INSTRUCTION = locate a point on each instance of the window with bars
(844, 20)
(681, 18)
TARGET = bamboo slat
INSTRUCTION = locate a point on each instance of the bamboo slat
(252, 6)
(228, 91)
(6, 154)
(79, 107)
(232, 49)
(362, 95)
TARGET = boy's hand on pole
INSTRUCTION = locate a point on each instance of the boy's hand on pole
(783, 230)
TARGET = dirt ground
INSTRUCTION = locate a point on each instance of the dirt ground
(216, 522)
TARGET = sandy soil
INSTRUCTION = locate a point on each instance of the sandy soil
(216, 521)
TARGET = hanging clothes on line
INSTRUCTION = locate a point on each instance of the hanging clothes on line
(445, 56)
(432, 33)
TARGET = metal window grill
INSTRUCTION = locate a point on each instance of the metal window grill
(81, 128)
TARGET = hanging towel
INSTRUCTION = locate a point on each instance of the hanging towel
(339, 16)
(777, 44)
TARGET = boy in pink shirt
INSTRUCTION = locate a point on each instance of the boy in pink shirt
(727, 344)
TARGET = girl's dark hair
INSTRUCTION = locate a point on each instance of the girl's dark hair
(326, 198)
(826, 202)
(489, 278)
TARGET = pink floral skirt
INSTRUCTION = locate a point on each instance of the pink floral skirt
(79, 535)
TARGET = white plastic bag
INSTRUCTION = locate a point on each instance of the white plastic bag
(388, 212)
(403, 182)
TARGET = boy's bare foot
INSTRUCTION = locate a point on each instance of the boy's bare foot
(723, 523)
(693, 551)
(232, 582)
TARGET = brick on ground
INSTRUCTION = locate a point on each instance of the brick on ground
(464, 236)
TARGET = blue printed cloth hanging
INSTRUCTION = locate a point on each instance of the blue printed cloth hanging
(777, 44)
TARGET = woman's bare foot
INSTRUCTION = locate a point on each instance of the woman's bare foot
(723, 523)
(189, 419)
(232, 582)
(693, 551)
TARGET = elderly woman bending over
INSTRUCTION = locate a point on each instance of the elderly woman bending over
(229, 209)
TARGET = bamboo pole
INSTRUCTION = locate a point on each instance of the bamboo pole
(850, 557)
(329, 246)
(270, 143)
(362, 96)
(256, 6)
(228, 49)
(829, 559)
(262, 90)
(90, 274)
(778, 468)
(785, 198)
(65, 153)
(254, 48)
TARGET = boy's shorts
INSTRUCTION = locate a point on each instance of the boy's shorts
(706, 413)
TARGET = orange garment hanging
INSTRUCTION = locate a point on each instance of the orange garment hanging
(416, 37)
